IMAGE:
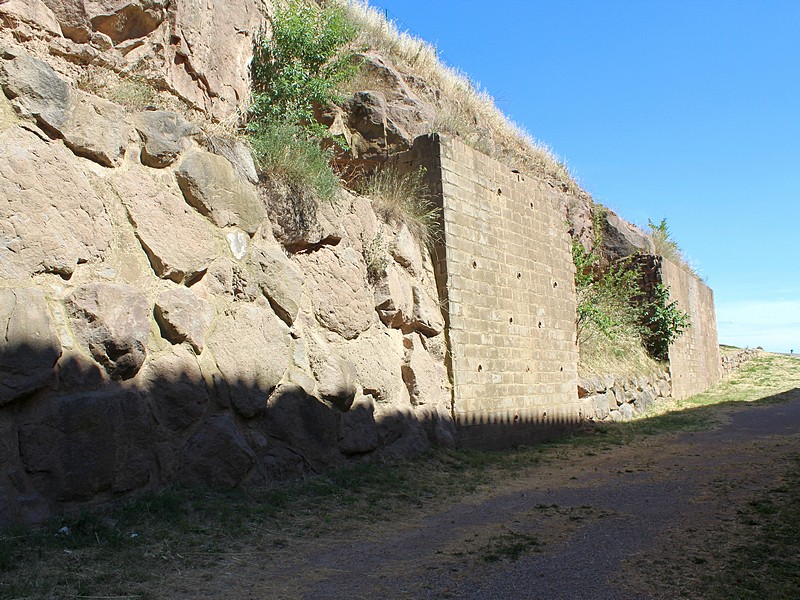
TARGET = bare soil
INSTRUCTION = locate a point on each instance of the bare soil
(619, 522)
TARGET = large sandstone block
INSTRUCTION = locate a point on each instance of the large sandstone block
(304, 423)
(183, 317)
(128, 19)
(377, 359)
(337, 282)
(251, 347)
(394, 298)
(37, 234)
(112, 322)
(217, 455)
(358, 432)
(210, 184)
(30, 12)
(29, 347)
(335, 376)
(91, 127)
(85, 444)
(165, 134)
(36, 90)
(174, 381)
(95, 129)
(179, 242)
(279, 279)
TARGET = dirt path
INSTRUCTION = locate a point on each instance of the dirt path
(582, 526)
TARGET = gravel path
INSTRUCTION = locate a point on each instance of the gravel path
(588, 522)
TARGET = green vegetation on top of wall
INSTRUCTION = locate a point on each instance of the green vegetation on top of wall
(299, 66)
(667, 247)
(616, 321)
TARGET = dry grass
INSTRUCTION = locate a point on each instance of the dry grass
(402, 199)
(132, 92)
(623, 356)
(463, 108)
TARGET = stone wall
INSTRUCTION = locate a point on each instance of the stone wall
(616, 399)
(694, 357)
(731, 361)
(169, 316)
(506, 275)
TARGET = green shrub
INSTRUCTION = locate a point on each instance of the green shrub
(296, 68)
(613, 310)
(285, 152)
(663, 242)
(403, 199)
(302, 63)
(663, 323)
(607, 301)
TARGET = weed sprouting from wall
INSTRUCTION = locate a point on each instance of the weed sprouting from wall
(619, 325)
(403, 199)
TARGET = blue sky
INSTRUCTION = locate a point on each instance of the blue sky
(688, 110)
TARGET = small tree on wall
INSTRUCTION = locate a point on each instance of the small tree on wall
(663, 322)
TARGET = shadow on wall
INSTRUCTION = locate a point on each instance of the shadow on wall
(71, 436)
(499, 431)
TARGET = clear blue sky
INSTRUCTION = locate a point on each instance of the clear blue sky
(688, 110)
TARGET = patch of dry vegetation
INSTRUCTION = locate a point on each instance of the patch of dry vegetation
(402, 199)
(623, 356)
(463, 108)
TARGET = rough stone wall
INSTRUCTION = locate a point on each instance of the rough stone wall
(198, 52)
(506, 274)
(694, 360)
(611, 398)
(731, 362)
(167, 316)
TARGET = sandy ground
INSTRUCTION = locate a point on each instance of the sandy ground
(591, 526)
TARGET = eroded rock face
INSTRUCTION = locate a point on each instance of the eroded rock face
(126, 20)
(210, 184)
(209, 63)
(251, 349)
(112, 322)
(165, 135)
(38, 235)
(91, 127)
(217, 455)
(380, 123)
(89, 444)
(29, 347)
(280, 280)
(394, 298)
(335, 376)
(35, 89)
(95, 129)
(378, 360)
(174, 381)
(299, 221)
(183, 317)
(336, 279)
(621, 239)
(17, 14)
(179, 242)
